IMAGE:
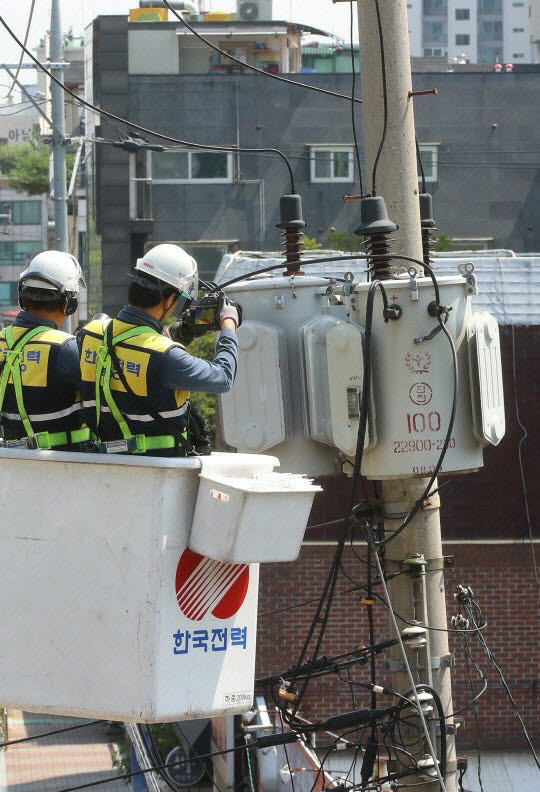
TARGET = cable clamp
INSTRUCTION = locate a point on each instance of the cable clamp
(286, 696)
(413, 285)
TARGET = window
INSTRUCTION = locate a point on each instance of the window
(491, 6)
(23, 212)
(434, 31)
(488, 54)
(430, 154)
(177, 166)
(435, 7)
(462, 13)
(332, 164)
(6, 293)
(463, 39)
(518, 30)
(490, 31)
(18, 253)
(518, 55)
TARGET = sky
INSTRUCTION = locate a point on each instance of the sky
(323, 14)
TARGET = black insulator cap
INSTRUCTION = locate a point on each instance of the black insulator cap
(374, 217)
(426, 210)
(290, 210)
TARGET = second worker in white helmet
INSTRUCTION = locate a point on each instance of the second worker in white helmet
(136, 382)
(40, 403)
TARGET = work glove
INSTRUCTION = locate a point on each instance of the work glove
(182, 331)
(230, 310)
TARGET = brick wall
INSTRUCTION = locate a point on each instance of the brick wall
(502, 580)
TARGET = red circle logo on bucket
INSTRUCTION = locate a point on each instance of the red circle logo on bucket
(204, 585)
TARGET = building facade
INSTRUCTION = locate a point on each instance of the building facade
(534, 29)
(23, 217)
(478, 31)
(483, 174)
(480, 163)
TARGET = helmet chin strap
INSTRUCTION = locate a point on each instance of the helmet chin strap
(165, 309)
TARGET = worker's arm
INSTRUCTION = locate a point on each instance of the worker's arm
(182, 371)
(69, 365)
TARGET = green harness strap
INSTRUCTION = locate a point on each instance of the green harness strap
(103, 376)
(12, 367)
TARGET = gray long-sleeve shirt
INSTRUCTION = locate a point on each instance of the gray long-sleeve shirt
(182, 371)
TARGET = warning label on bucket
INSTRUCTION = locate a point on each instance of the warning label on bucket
(235, 699)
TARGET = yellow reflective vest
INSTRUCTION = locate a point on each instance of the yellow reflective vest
(146, 406)
(51, 403)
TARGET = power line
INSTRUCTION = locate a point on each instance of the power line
(385, 99)
(31, 14)
(353, 107)
(255, 68)
(522, 439)
(139, 127)
(409, 674)
(51, 733)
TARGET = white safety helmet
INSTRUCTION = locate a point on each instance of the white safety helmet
(171, 264)
(53, 270)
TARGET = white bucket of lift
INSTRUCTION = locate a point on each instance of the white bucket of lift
(264, 517)
(106, 612)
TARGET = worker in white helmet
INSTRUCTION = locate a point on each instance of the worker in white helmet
(40, 404)
(136, 382)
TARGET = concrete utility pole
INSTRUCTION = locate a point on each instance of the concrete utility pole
(61, 233)
(419, 597)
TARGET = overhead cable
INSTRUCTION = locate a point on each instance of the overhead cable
(385, 100)
(139, 127)
(255, 68)
(523, 437)
(353, 105)
(27, 33)
(322, 613)
(409, 674)
(51, 733)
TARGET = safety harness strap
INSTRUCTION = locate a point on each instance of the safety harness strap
(45, 441)
(12, 367)
(106, 358)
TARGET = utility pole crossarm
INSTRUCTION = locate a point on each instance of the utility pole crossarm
(47, 65)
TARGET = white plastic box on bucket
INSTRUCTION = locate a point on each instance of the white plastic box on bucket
(107, 613)
(261, 516)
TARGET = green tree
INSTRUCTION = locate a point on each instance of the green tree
(204, 347)
(342, 240)
(442, 243)
(310, 243)
(26, 167)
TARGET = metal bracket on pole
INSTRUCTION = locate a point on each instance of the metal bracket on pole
(445, 661)
(47, 65)
(396, 666)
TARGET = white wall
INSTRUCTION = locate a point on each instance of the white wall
(153, 52)
(466, 26)
(534, 29)
(16, 126)
(514, 43)
(414, 12)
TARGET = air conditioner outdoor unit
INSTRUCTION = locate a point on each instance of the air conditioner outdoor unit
(254, 10)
